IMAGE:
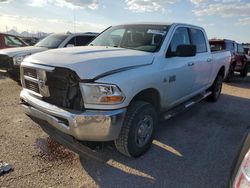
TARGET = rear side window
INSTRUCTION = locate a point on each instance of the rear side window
(199, 40)
(181, 37)
(81, 40)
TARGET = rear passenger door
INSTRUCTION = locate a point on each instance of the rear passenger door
(202, 66)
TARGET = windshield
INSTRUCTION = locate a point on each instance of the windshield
(52, 41)
(137, 37)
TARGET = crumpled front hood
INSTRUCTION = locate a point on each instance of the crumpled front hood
(11, 52)
(90, 62)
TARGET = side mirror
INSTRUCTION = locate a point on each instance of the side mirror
(70, 45)
(186, 50)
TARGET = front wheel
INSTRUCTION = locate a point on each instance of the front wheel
(215, 89)
(137, 132)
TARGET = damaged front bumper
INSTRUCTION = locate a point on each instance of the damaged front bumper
(90, 125)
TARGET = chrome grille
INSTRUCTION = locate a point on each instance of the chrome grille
(34, 79)
(30, 72)
(32, 86)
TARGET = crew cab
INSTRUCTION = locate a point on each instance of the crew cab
(116, 88)
(10, 59)
(238, 60)
(10, 41)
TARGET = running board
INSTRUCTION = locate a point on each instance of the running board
(180, 108)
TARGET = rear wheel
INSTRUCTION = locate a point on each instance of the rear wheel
(230, 74)
(137, 132)
(215, 89)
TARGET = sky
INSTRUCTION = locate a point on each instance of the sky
(221, 18)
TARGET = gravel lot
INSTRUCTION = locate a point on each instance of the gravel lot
(194, 149)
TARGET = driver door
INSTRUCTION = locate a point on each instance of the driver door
(178, 71)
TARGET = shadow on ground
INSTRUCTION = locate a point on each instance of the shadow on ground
(240, 82)
(194, 149)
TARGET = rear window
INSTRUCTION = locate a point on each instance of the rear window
(199, 40)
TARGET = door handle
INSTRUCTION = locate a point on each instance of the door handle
(209, 59)
(191, 64)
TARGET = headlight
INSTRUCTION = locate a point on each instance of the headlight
(101, 93)
(18, 59)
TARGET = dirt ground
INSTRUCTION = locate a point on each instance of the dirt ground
(194, 149)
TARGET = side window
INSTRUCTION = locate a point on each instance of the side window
(83, 40)
(12, 41)
(198, 39)
(181, 37)
(72, 41)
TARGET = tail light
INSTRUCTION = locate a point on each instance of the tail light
(242, 179)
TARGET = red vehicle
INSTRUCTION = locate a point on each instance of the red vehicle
(10, 41)
(238, 56)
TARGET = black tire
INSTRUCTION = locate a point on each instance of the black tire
(244, 72)
(230, 74)
(129, 141)
(215, 89)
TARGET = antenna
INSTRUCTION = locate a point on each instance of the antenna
(74, 20)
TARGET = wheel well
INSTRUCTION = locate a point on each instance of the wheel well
(151, 96)
(222, 71)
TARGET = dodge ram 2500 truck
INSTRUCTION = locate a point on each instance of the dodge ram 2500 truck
(11, 58)
(116, 88)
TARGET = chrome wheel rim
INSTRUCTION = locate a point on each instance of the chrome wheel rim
(144, 131)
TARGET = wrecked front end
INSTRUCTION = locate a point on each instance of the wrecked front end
(53, 95)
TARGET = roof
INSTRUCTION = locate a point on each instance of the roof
(85, 33)
(161, 23)
(220, 40)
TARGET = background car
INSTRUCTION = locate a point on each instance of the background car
(238, 56)
(31, 41)
(10, 59)
(10, 41)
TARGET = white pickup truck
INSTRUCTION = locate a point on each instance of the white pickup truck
(116, 88)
